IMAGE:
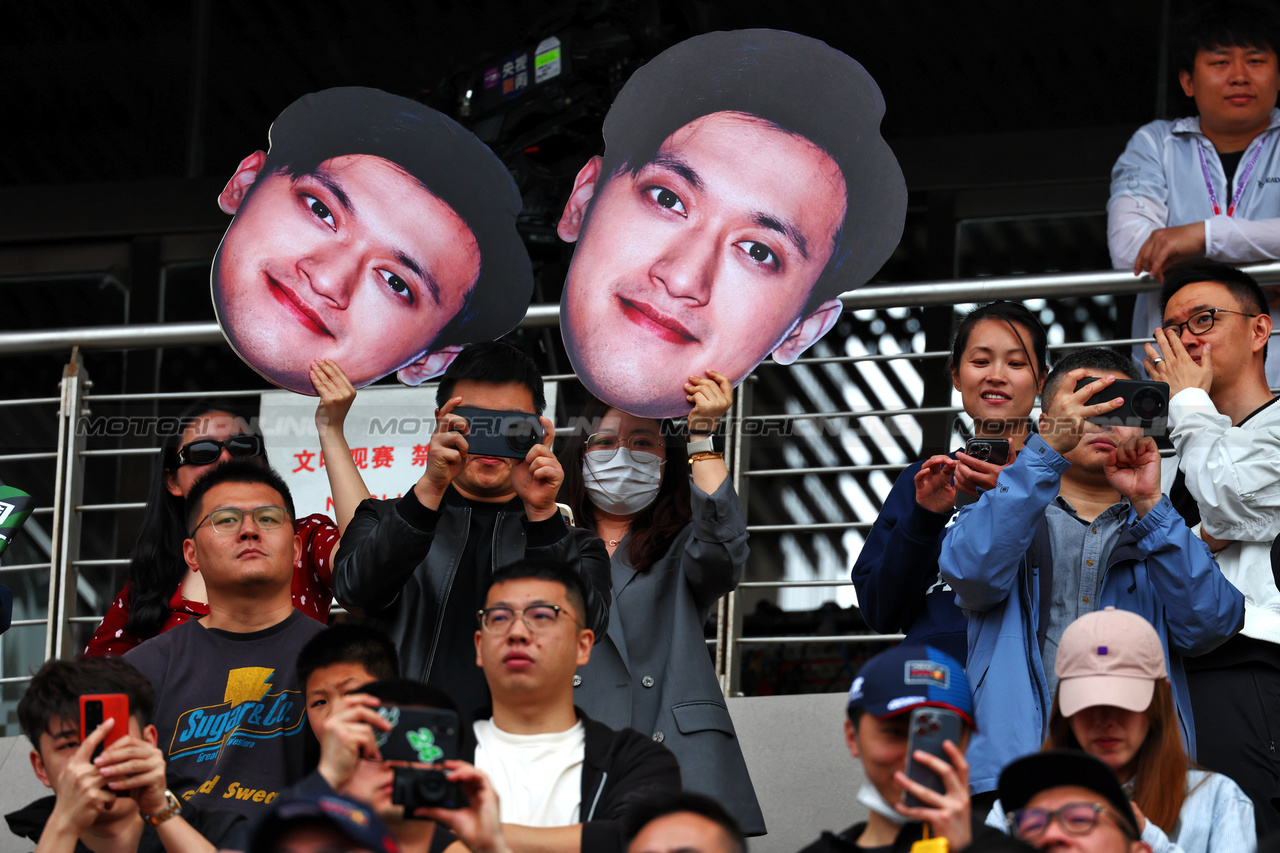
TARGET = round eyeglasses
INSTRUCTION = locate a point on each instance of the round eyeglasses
(202, 451)
(537, 617)
(229, 519)
(1074, 818)
(1200, 322)
(604, 445)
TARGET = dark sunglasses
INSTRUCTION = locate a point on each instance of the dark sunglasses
(206, 450)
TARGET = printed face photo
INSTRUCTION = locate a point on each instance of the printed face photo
(355, 261)
(704, 259)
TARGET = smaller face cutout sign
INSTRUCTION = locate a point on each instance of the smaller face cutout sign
(743, 187)
(375, 231)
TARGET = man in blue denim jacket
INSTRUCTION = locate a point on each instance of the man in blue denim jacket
(1076, 523)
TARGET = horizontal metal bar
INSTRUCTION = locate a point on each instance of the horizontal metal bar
(122, 451)
(837, 638)
(27, 567)
(17, 679)
(109, 507)
(788, 528)
(791, 584)
(31, 401)
(870, 413)
(42, 510)
(86, 619)
(27, 457)
(835, 469)
(22, 623)
(121, 561)
(922, 294)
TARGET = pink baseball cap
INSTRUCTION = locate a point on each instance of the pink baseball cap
(1108, 657)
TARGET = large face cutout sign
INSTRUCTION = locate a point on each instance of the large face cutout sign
(375, 231)
(744, 186)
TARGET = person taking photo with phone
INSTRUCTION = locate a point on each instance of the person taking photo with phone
(417, 566)
(1114, 702)
(889, 692)
(115, 800)
(1078, 523)
(998, 363)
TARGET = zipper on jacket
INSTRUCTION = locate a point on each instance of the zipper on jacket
(444, 599)
(595, 801)
(1262, 712)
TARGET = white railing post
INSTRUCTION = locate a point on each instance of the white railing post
(68, 494)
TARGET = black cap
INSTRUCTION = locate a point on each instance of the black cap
(1059, 768)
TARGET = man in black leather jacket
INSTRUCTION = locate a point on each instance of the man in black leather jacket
(418, 566)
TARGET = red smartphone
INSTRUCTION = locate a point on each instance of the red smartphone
(97, 708)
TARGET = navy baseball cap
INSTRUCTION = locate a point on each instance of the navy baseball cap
(907, 677)
(357, 822)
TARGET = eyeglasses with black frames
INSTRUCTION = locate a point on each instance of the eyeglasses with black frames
(537, 617)
(1200, 322)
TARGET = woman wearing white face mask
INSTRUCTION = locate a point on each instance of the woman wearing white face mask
(663, 504)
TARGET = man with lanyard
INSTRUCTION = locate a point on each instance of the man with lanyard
(1207, 185)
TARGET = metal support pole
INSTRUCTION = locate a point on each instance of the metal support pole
(727, 614)
(68, 494)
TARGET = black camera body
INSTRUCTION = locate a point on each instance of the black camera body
(491, 432)
(1146, 404)
(425, 788)
(423, 736)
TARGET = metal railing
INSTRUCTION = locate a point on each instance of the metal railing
(69, 509)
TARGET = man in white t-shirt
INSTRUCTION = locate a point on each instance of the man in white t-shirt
(563, 780)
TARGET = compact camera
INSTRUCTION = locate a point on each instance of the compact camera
(495, 433)
(423, 736)
(1146, 404)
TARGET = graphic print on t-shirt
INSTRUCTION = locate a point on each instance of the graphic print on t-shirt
(249, 712)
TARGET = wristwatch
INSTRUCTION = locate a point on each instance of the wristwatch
(702, 445)
(172, 808)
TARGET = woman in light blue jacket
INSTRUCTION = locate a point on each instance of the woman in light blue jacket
(1114, 702)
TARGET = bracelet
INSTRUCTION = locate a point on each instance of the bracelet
(706, 454)
(169, 811)
(702, 445)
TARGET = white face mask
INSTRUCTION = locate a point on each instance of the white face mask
(621, 482)
(870, 797)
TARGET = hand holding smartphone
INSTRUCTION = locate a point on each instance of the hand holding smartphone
(97, 708)
(928, 730)
(993, 450)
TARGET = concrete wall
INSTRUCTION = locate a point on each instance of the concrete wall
(794, 746)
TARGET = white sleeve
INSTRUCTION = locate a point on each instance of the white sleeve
(1238, 241)
(1139, 202)
(1233, 473)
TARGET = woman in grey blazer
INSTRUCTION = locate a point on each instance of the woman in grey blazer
(671, 520)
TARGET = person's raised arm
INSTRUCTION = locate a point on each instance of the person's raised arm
(476, 825)
(80, 795)
(715, 555)
(387, 540)
(336, 396)
(538, 476)
(135, 768)
(348, 736)
(899, 560)
(1231, 472)
(1139, 199)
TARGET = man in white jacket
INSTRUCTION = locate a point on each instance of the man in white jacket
(1225, 426)
(1207, 185)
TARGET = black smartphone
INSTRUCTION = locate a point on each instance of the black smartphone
(421, 736)
(1146, 404)
(993, 450)
(495, 433)
(928, 728)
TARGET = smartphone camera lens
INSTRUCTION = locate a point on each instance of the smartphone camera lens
(1148, 404)
(520, 434)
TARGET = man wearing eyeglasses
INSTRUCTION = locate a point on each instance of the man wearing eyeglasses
(229, 709)
(1225, 426)
(1069, 800)
(563, 780)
